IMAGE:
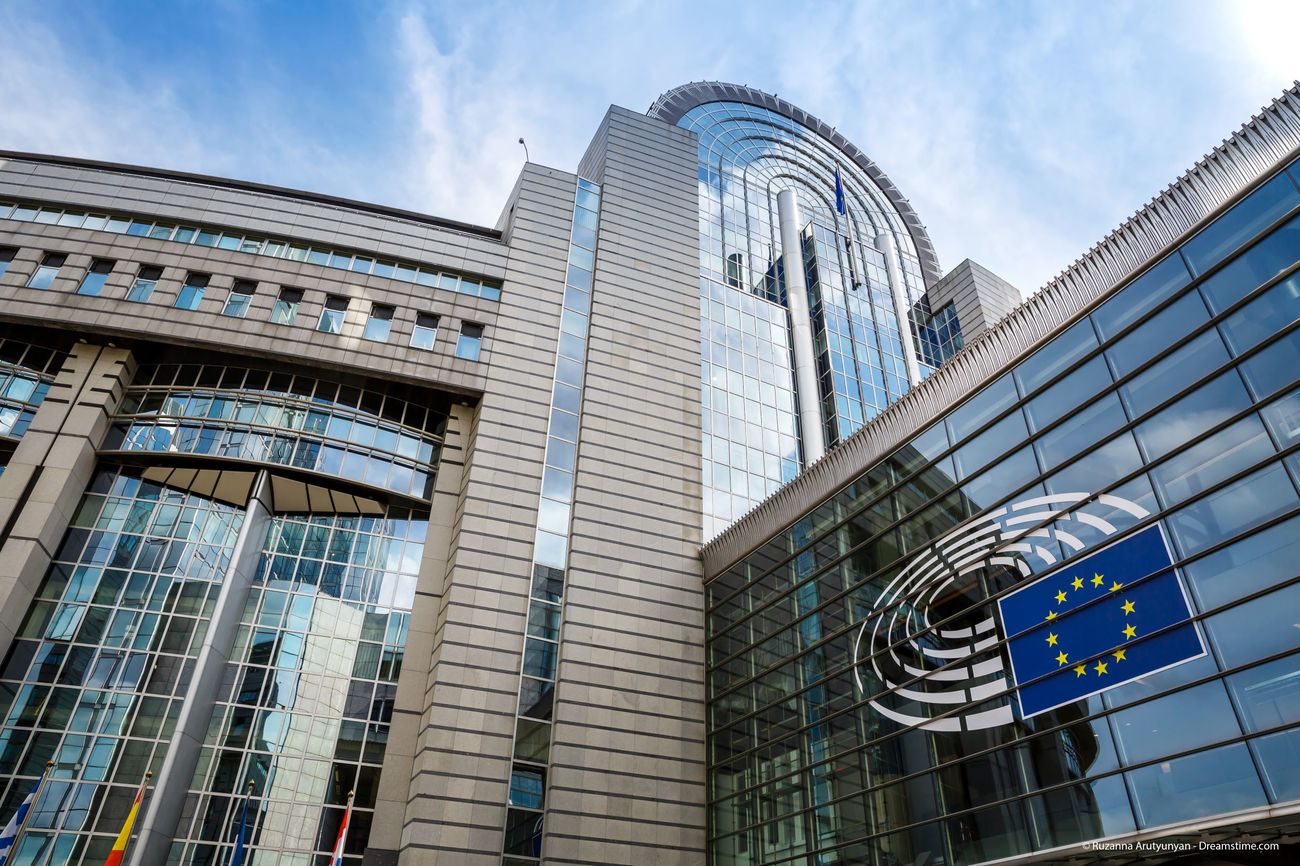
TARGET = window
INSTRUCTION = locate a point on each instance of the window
(379, 323)
(192, 291)
(6, 256)
(241, 295)
(426, 329)
(471, 341)
(144, 284)
(93, 282)
(286, 306)
(46, 272)
(331, 318)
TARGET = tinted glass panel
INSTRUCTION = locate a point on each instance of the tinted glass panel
(1258, 628)
(1146, 292)
(981, 409)
(1275, 367)
(1174, 372)
(1060, 353)
(1246, 219)
(1256, 266)
(1263, 317)
(1206, 783)
(1175, 425)
(1065, 396)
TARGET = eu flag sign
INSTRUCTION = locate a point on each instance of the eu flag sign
(1102, 621)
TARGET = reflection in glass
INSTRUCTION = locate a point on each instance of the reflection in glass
(1205, 783)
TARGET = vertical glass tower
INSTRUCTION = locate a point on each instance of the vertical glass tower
(865, 260)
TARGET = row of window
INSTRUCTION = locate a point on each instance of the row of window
(211, 237)
(379, 319)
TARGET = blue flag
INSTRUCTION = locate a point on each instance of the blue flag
(237, 859)
(1093, 625)
(839, 192)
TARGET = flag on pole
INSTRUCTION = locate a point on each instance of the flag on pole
(839, 193)
(336, 857)
(18, 822)
(124, 838)
(237, 859)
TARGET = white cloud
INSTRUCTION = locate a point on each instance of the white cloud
(55, 103)
(1021, 134)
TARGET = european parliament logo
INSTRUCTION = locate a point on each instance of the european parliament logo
(1096, 622)
(1109, 618)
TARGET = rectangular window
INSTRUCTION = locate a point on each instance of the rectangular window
(379, 323)
(286, 306)
(144, 284)
(45, 273)
(145, 281)
(93, 282)
(241, 295)
(331, 318)
(6, 256)
(192, 291)
(426, 329)
(471, 341)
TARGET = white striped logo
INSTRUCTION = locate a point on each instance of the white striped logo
(915, 674)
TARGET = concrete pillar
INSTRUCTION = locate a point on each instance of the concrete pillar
(49, 471)
(173, 783)
(902, 305)
(395, 781)
(805, 361)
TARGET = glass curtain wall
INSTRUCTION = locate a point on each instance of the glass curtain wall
(1173, 404)
(26, 373)
(747, 155)
(96, 677)
(307, 700)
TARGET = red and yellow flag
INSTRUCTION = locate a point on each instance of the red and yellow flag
(124, 838)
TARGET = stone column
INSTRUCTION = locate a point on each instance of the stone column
(50, 469)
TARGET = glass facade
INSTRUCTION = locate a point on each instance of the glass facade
(747, 155)
(307, 700)
(26, 373)
(108, 650)
(382, 438)
(851, 722)
(96, 678)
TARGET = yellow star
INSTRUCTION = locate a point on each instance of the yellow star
(1128, 606)
(1081, 671)
(1130, 631)
(1061, 659)
(1051, 615)
(1060, 597)
(1116, 586)
(1096, 579)
(1119, 655)
(1051, 639)
(1077, 583)
(1100, 668)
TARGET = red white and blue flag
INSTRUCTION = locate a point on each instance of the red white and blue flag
(15, 826)
(336, 856)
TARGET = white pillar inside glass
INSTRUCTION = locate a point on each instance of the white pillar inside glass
(805, 362)
(902, 305)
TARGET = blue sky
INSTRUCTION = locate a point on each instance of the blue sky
(1021, 132)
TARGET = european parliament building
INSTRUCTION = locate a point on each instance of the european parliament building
(691, 514)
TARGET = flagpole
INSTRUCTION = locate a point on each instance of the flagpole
(123, 841)
(336, 858)
(22, 827)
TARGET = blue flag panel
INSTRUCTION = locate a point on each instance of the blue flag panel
(1093, 625)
